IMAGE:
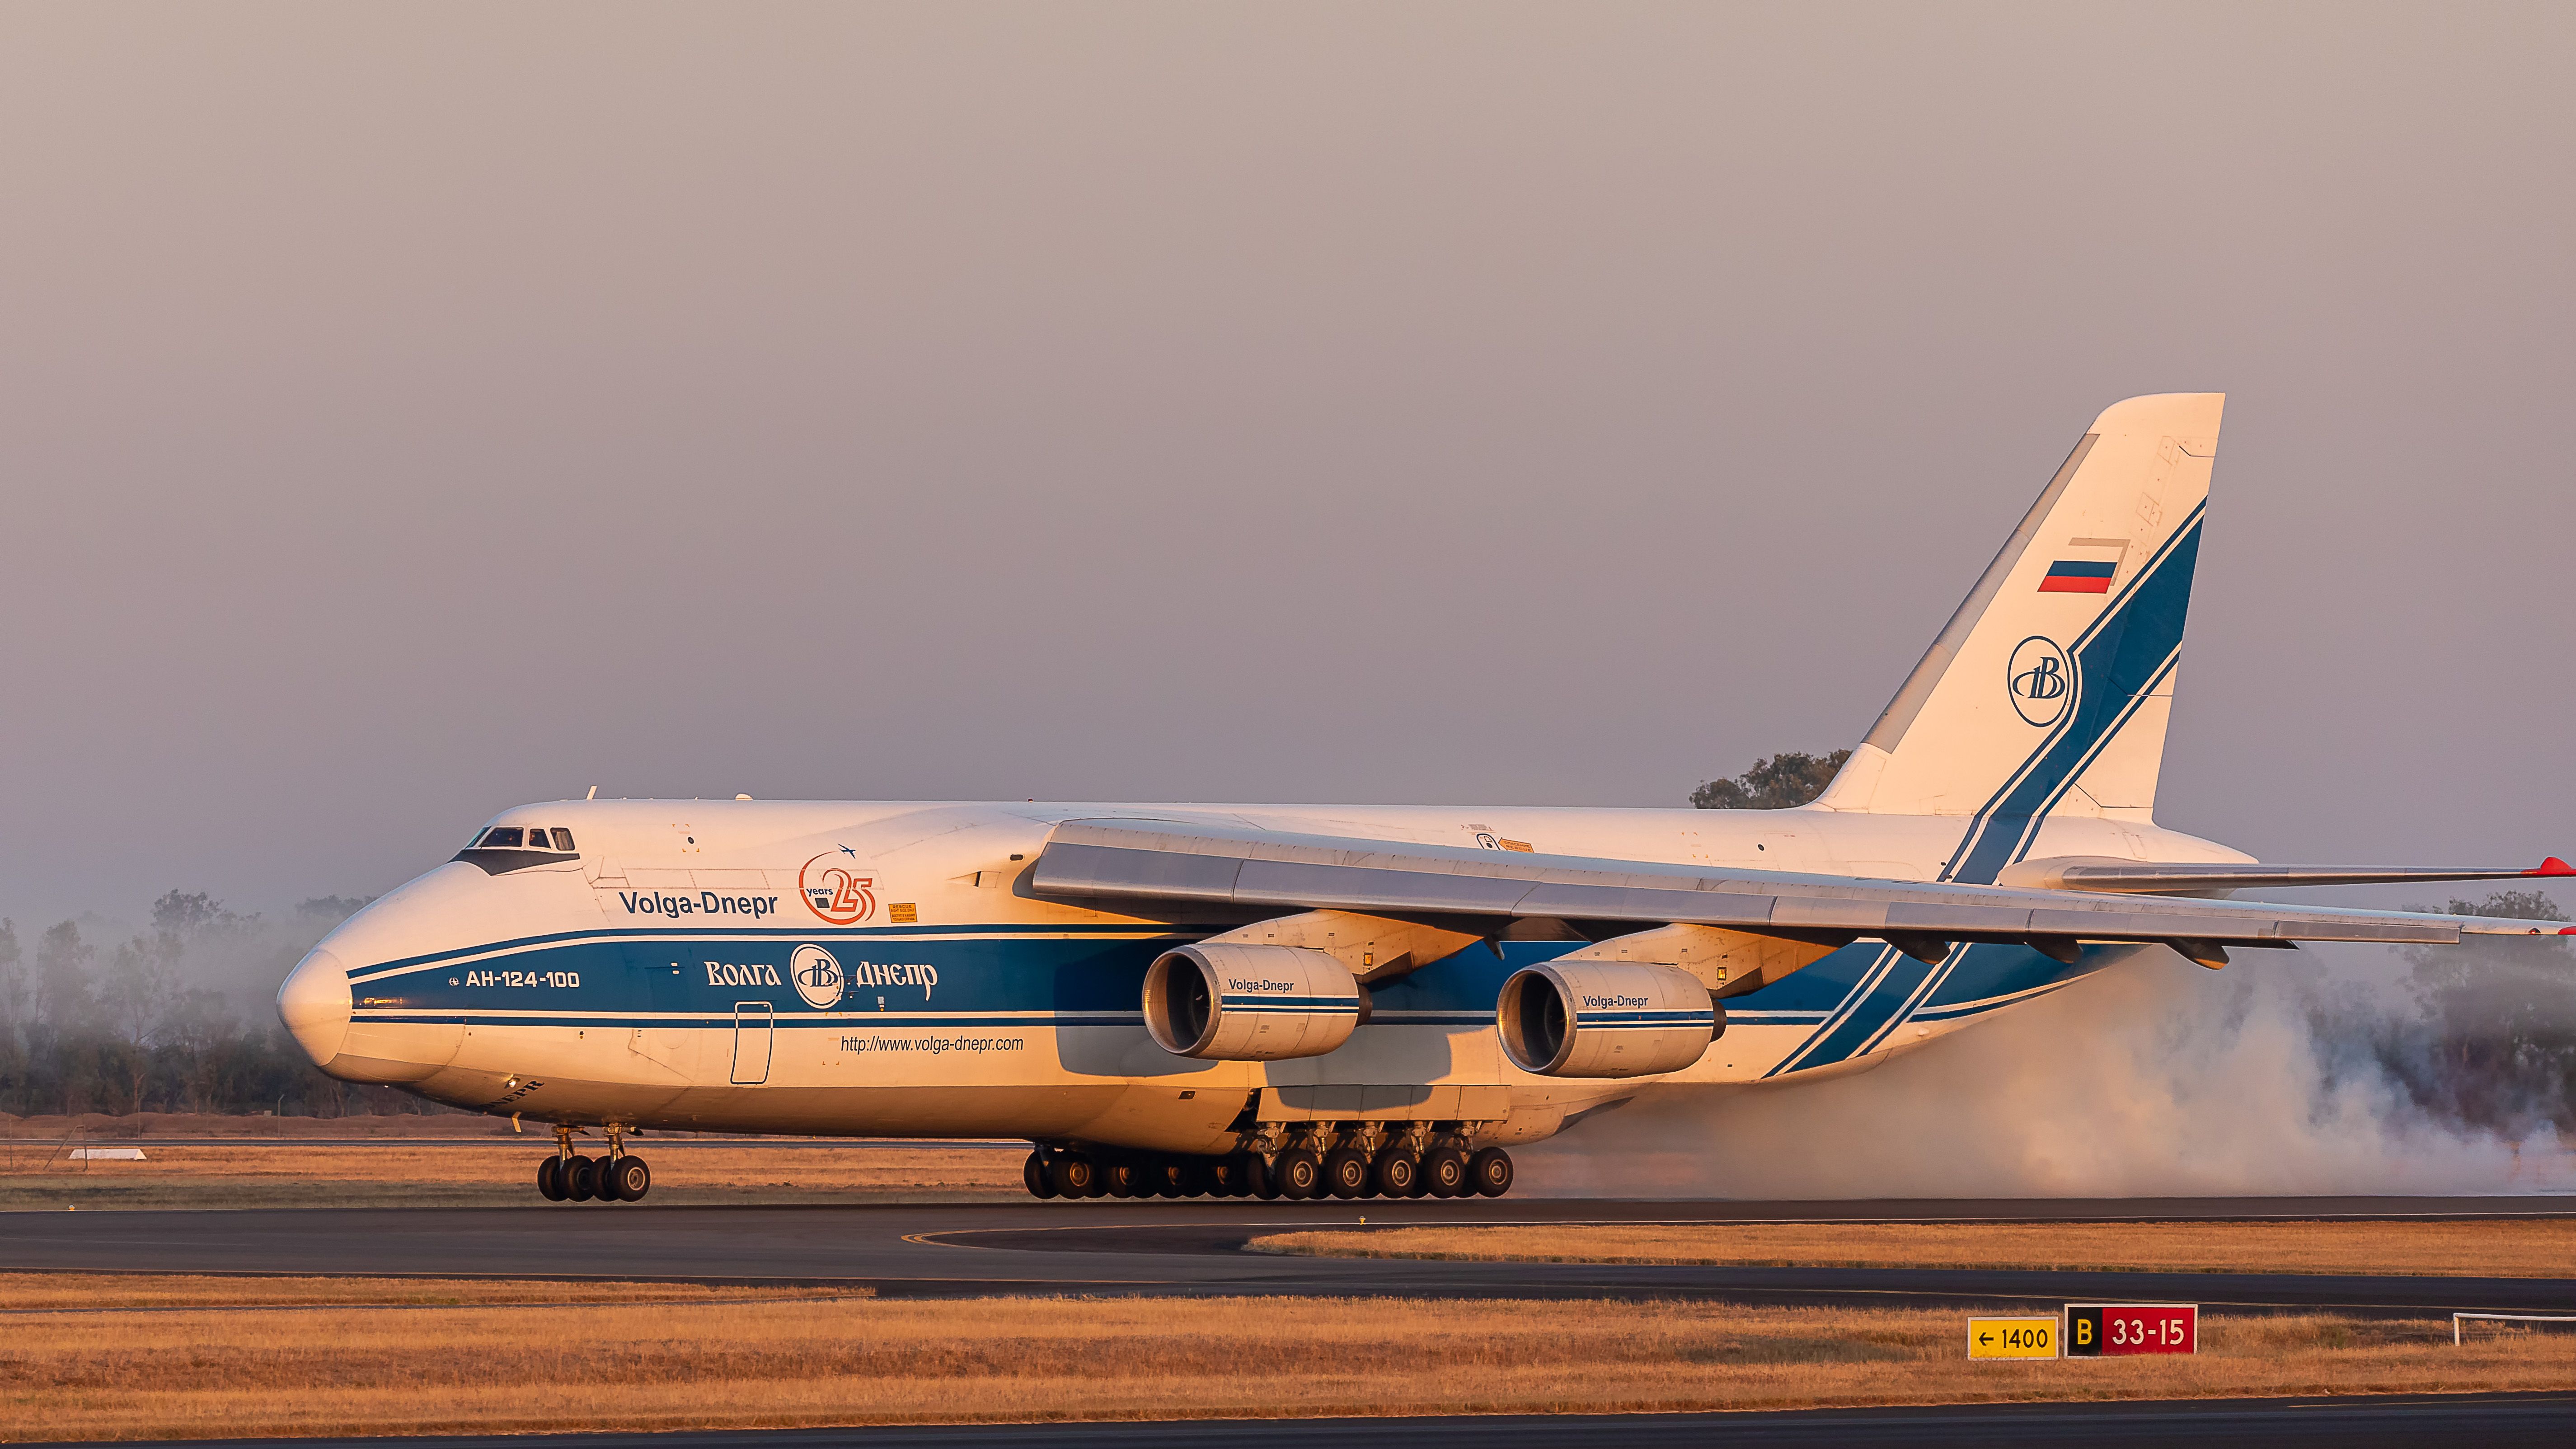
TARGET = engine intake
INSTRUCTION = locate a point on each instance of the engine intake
(1606, 1019)
(1251, 1003)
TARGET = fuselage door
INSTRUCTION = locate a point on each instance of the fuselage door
(754, 1024)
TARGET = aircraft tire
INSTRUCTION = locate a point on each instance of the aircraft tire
(1121, 1180)
(1073, 1175)
(580, 1179)
(1167, 1178)
(628, 1177)
(1256, 1177)
(603, 1179)
(1396, 1173)
(1346, 1173)
(1035, 1177)
(1298, 1174)
(1444, 1172)
(550, 1184)
(1491, 1171)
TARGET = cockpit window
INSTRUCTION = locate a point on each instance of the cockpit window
(563, 839)
(501, 837)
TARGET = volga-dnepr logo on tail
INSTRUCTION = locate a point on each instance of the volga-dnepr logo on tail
(2041, 680)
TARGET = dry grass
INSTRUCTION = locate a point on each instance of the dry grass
(93, 1293)
(2506, 1248)
(121, 1127)
(486, 1172)
(660, 1359)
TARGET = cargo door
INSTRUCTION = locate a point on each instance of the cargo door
(755, 1023)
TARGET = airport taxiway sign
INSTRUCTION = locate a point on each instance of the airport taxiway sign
(2097, 1329)
(2012, 1338)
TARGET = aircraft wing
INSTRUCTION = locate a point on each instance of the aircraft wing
(2104, 873)
(1152, 860)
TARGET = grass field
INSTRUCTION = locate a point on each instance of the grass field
(491, 1171)
(135, 1357)
(2509, 1248)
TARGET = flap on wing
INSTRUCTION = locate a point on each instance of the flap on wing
(1168, 861)
(2107, 873)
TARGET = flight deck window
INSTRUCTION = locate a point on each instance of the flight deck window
(502, 837)
(563, 839)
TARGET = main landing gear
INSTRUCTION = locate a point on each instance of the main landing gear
(1400, 1168)
(568, 1176)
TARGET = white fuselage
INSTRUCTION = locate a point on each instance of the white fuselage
(668, 971)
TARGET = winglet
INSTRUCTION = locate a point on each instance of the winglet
(2553, 866)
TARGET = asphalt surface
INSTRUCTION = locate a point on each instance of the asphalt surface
(1113, 1247)
(2489, 1421)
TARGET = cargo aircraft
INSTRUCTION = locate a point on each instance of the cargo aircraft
(1306, 1000)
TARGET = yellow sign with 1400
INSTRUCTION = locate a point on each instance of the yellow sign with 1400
(2012, 1338)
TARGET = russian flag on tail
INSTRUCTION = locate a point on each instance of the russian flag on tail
(2078, 576)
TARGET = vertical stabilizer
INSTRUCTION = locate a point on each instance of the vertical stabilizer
(2049, 689)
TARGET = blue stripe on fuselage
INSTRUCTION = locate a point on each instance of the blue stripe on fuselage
(994, 977)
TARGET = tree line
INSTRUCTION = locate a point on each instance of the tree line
(146, 1025)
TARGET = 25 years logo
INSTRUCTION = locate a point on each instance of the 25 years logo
(836, 890)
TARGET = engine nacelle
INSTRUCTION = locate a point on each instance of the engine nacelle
(1606, 1019)
(1251, 1003)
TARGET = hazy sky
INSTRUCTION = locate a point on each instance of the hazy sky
(408, 411)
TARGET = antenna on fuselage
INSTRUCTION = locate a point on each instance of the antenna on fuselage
(593, 795)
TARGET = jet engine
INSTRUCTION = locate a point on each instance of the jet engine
(1251, 1003)
(1606, 1019)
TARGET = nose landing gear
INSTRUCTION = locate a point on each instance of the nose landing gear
(568, 1176)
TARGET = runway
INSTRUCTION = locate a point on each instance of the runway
(1110, 1247)
(2492, 1421)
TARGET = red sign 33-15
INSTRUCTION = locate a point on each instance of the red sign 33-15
(2124, 1328)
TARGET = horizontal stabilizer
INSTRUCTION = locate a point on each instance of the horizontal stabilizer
(2129, 877)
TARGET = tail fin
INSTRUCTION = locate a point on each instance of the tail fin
(2049, 689)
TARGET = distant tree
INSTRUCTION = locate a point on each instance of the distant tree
(1785, 779)
(13, 1018)
(180, 913)
(135, 1000)
(62, 977)
(2497, 1043)
(13, 980)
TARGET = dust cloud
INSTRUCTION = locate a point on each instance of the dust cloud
(2320, 1073)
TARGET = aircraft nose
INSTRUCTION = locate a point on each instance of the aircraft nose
(314, 1003)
